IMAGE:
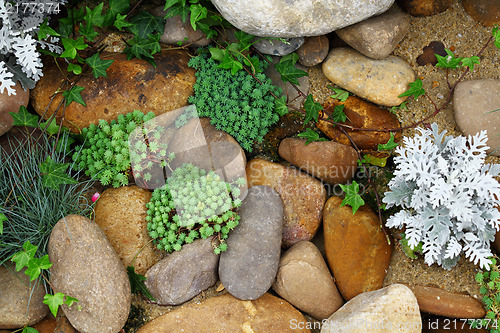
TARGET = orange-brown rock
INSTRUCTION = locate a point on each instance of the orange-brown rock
(303, 197)
(360, 114)
(446, 303)
(129, 85)
(226, 313)
(487, 12)
(356, 248)
(11, 104)
(425, 7)
(121, 214)
(329, 161)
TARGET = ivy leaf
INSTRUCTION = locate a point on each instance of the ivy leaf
(288, 71)
(389, 145)
(198, 12)
(98, 65)
(312, 108)
(143, 47)
(352, 198)
(45, 31)
(71, 46)
(338, 114)
(54, 301)
(496, 34)
(340, 94)
(24, 118)
(217, 54)
(120, 22)
(35, 266)
(74, 94)
(144, 24)
(245, 39)
(116, 10)
(75, 68)
(280, 106)
(469, 62)
(137, 283)
(51, 128)
(28, 329)
(373, 160)
(401, 106)
(70, 300)
(415, 89)
(311, 136)
(87, 31)
(94, 16)
(22, 258)
(54, 174)
(177, 7)
(229, 62)
(2, 218)
(448, 61)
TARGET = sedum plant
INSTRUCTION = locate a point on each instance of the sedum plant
(105, 153)
(448, 196)
(194, 203)
(235, 102)
(489, 283)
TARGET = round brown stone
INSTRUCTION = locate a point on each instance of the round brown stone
(313, 51)
(425, 7)
(130, 85)
(487, 12)
(356, 248)
(11, 104)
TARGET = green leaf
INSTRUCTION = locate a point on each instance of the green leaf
(410, 252)
(288, 71)
(2, 218)
(448, 61)
(137, 283)
(245, 39)
(70, 300)
(54, 301)
(71, 46)
(415, 89)
(22, 258)
(143, 48)
(469, 62)
(312, 108)
(94, 16)
(217, 54)
(229, 62)
(117, 9)
(51, 128)
(352, 198)
(24, 118)
(35, 266)
(74, 94)
(338, 115)
(120, 22)
(311, 136)
(389, 145)
(87, 31)
(54, 174)
(198, 12)
(177, 7)
(280, 106)
(496, 34)
(28, 329)
(75, 68)
(45, 31)
(340, 94)
(400, 107)
(98, 65)
(373, 160)
(144, 24)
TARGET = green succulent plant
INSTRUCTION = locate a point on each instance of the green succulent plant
(193, 204)
(489, 282)
(106, 155)
(239, 104)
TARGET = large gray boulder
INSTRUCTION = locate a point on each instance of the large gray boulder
(297, 18)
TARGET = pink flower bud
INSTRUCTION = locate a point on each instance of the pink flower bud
(95, 196)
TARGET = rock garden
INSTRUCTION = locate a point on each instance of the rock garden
(239, 166)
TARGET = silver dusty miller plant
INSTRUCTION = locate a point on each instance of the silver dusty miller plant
(19, 58)
(448, 195)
